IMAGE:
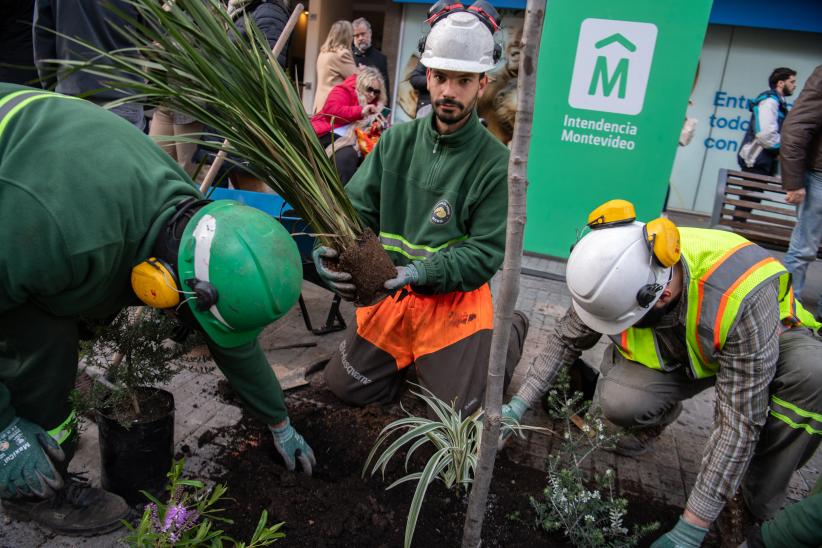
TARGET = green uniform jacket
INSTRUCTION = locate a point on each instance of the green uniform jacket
(439, 201)
(83, 195)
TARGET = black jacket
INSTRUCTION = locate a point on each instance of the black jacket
(419, 82)
(372, 57)
(270, 16)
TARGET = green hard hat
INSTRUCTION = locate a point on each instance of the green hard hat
(244, 268)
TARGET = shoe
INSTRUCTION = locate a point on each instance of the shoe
(80, 510)
(638, 442)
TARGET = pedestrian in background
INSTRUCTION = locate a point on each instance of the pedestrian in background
(760, 146)
(359, 97)
(335, 62)
(95, 23)
(365, 54)
(801, 158)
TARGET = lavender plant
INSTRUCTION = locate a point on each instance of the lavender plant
(188, 518)
(587, 516)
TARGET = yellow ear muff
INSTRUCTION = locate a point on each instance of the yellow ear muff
(612, 213)
(663, 238)
(154, 284)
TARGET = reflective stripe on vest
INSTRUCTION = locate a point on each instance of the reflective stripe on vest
(12, 103)
(398, 244)
(796, 417)
(724, 269)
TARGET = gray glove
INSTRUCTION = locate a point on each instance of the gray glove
(513, 410)
(292, 447)
(338, 282)
(405, 275)
(683, 535)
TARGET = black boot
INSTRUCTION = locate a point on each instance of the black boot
(77, 510)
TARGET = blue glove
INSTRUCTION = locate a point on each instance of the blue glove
(405, 275)
(683, 535)
(26, 467)
(338, 282)
(513, 410)
(292, 447)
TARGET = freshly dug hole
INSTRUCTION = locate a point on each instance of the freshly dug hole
(369, 265)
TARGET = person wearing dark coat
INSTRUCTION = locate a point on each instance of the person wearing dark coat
(270, 16)
(419, 81)
(16, 47)
(366, 54)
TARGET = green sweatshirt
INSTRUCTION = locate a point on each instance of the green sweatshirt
(83, 195)
(437, 201)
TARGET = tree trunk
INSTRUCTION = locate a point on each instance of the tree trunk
(509, 288)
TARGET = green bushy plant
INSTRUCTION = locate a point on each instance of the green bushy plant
(147, 358)
(587, 516)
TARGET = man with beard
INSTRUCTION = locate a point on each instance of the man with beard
(760, 146)
(711, 309)
(367, 55)
(435, 192)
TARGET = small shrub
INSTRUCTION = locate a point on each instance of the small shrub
(588, 517)
(456, 442)
(150, 358)
(188, 518)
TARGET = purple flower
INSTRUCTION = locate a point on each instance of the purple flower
(175, 517)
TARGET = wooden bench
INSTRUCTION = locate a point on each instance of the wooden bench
(769, 221)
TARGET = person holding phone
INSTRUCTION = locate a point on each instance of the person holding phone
(360, 97)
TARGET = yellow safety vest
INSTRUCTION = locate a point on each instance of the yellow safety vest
(724, 269)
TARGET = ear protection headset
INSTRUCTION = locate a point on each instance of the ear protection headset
(660, 235)
(484, 11)
(155, 280)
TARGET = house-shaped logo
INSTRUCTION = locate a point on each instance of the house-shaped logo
(612, 65)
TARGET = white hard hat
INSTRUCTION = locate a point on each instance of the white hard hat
(461, 43)
(607, 271)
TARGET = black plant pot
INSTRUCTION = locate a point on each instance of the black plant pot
(138, 457)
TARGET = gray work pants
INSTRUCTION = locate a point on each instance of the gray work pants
(631, 395)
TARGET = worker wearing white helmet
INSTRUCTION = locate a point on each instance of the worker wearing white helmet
(687, 309)
(435, 192)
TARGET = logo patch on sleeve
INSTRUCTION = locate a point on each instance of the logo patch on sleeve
(441, 213)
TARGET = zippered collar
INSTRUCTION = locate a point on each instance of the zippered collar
(462, 136)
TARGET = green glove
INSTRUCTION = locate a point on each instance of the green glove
(26, 467)
(338, 282)
(683, 535)
(513, 410)
(405, 275)
(292, 447)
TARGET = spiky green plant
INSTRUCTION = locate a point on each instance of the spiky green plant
(188, 57)
(455, 440)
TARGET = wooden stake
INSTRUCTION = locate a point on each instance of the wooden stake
(509, 288)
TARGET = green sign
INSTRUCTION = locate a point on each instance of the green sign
(613, 83)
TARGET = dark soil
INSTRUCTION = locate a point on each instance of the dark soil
(336, 507)
(154, 403)
(369, 265)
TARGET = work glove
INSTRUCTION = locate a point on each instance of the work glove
(513, 410)
(27, 456)
(292, 447)
(405, 275)
(338, 282)
(683, 535)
